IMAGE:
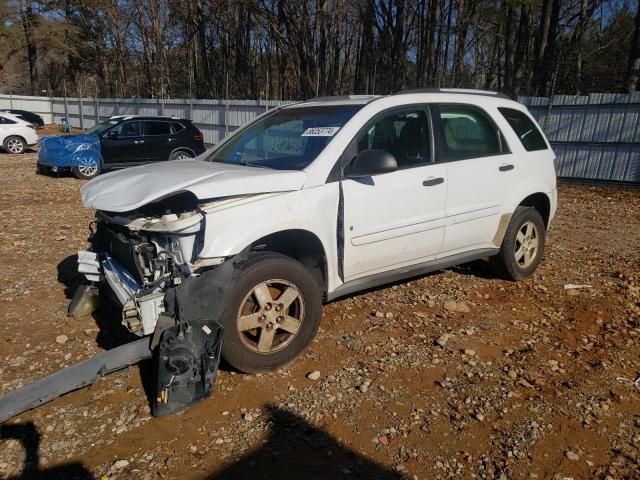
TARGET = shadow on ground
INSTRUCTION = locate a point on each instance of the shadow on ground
(27, 434)
(296, 449)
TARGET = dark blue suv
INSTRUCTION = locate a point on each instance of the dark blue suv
(121, 142)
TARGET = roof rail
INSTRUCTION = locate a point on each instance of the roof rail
(465, 91)
(331, 98)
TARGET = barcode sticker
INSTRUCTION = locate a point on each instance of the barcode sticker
(320, 132)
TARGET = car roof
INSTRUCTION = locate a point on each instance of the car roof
(14, 117)
(365, 99)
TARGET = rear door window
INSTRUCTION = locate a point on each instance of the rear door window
(529, 135)
(469, 133)
(154, 127)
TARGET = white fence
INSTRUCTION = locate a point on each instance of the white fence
(595, 137)
(215, 118)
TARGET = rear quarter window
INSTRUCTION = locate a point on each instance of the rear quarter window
(177, 127)
(529, 135)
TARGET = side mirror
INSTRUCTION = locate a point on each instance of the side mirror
(111, 134)
(371, 162)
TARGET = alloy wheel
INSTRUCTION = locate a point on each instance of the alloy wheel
(15, 145)
(88, 167)
(270, 316)
(527, 244)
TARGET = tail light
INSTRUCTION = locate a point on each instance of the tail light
(31, 126)
(198, 136)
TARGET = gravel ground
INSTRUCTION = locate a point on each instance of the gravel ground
(454, 375)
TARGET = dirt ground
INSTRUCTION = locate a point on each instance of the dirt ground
(454, 375)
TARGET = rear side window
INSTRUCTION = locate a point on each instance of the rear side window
(525, 129)
(469, 133)
(6, 121)
(156, 128)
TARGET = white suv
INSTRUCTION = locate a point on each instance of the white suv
(318, 200)
(16, 134)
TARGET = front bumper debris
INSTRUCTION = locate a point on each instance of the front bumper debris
(140, 309)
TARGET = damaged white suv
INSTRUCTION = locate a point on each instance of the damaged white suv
(318, 200)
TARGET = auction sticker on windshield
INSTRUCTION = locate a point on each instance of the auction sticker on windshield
(320, 132)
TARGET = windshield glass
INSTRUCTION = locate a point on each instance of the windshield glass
(101, 127)
(288, 139)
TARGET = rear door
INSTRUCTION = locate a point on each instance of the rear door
(480, 169)
(158, 140)
(121, 145)
(395, 219)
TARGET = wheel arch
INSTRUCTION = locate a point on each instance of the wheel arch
(542, 203)
(301, 245)
(182, 149)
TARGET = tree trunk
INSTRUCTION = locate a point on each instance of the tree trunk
(28, 19)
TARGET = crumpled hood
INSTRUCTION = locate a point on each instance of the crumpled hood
(131, 188)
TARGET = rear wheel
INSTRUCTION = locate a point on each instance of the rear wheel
(14, 144)
(272, 314)
(180, 155)
(87, 168)
(522, 247)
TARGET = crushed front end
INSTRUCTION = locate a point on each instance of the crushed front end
(140, 255)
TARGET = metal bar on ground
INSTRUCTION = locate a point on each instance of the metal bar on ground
(72, 378)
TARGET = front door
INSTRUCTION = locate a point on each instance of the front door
(395, 219)
(122, 144)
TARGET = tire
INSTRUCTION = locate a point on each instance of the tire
(514, 262)
(14, 144)
(272, 344)
(87, 168)
(180, 155)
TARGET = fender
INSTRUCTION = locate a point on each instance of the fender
(231, 230)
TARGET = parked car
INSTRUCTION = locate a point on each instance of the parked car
(121, 142)
(30, 117)
(16, 134)
(318, 200)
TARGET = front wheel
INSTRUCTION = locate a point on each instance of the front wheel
(14, 144)
(271, 315)
(87, 168)
(522, 247)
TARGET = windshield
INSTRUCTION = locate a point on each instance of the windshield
(288, 139)
(101, 127)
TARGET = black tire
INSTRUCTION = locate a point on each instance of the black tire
(180, 155)
(14, 144)
(259, 268)
(505, 263)
(84, 173)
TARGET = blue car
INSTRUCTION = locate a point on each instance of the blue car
(120, 142)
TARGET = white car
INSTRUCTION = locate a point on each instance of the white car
(315, 201)
(16, 134)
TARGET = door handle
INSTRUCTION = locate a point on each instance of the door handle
(138, 141)
(506, 167)
(430, 182)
